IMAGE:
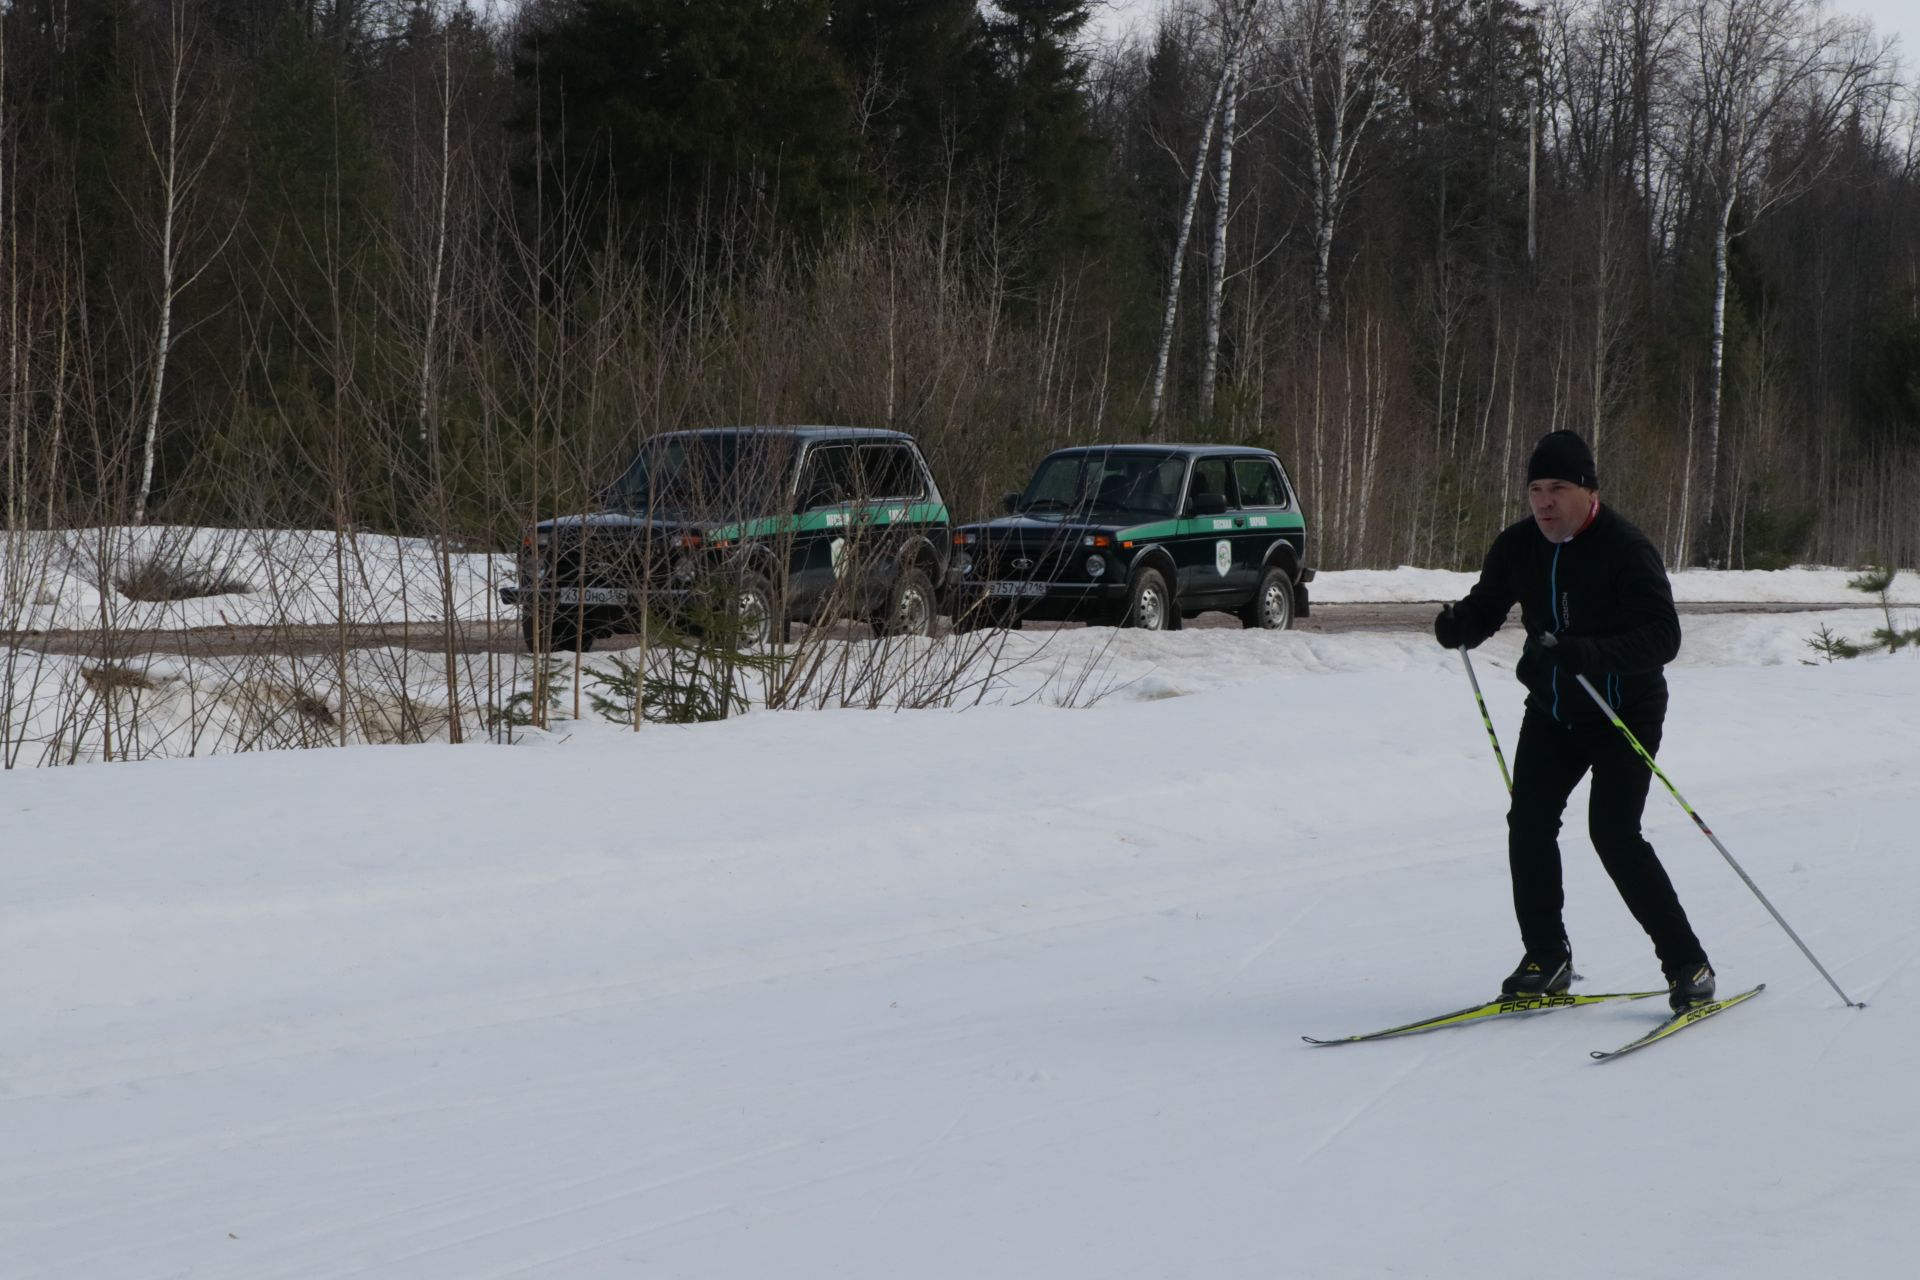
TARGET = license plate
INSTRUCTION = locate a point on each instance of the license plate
(1016, 588)
(590, 595)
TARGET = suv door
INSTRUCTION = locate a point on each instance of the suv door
(1265, 508)
(828, 483)
(891, 484)
(1210, 557)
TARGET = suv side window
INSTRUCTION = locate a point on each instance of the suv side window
(889, 471)
(1259, 482)
(1209, 476)
(828, 479)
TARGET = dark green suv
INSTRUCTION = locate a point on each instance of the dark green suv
(1139, 535)
(756, 527)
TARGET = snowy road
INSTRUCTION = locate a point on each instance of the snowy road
(470, 637)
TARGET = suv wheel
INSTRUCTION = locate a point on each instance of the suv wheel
(1272, 605)
(756, 610)
(910, 609)
(560, 634)
(1150, 604)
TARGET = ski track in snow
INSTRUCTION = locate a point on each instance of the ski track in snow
(1011, 992)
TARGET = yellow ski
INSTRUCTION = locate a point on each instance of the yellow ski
(1679, 1022)
(1504, 1007)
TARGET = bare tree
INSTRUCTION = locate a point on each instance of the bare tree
(181, 123)
(1334, 57)
(1768, 82)
(1235, 23)
(1217, 259)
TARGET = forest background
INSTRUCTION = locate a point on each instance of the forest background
(421, 268)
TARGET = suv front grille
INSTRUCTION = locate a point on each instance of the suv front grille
(1014, 562)
(603, 559)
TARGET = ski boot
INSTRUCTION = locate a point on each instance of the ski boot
(1541, 974)
(1690, 985)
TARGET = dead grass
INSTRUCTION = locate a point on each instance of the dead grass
(111, 677)
(158, 579)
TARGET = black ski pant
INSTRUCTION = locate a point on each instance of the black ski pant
(1548, 763)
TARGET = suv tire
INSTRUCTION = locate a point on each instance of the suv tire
(1272, 605)
(1150, 604)
(560, 635)
(910, 605)
(755, 595)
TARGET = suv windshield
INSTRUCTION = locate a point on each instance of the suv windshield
(718, 475)
(1125, 483)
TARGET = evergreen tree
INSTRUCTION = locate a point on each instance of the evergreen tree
(683, 107)
(1036, 119)
(912, 65)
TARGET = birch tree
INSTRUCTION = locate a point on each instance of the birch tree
(1217, 258)
(1767, 83)
(1236, 20)
(1335, 55)
(180, 133)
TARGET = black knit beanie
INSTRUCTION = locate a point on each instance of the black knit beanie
(1562, 455)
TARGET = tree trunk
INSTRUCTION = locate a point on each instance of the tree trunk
(1171, 313)
(163, 342)
(1325, 204)
(1716, 366)
(1217, 280)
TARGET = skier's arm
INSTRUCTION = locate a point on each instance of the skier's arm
(1485, 608)
(1649, 637)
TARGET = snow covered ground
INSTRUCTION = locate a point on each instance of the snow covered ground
(1009, 992)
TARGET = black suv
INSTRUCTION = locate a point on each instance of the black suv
(763, 526)
(1139, 535)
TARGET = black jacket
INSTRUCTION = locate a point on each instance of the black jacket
(1607, 586)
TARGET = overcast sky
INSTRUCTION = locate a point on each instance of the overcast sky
(1890, 17)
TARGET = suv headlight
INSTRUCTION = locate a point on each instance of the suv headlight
(1096, 566)
(683, 570)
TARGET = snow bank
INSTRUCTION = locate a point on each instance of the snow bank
(70, 579)
(1805, 584)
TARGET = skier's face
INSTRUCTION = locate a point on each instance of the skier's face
(1559, 509)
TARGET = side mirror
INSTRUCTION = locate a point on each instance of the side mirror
(1209, 504)
(1010, 502)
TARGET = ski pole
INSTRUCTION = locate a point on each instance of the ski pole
(1548, 641)
(1487, 720)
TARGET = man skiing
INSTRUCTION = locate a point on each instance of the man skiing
(1585, 576)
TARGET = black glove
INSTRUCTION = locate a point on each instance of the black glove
(1571, 654)
(1450, 629)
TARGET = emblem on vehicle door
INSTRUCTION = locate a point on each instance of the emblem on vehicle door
(1223, 557)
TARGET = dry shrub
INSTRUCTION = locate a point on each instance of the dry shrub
(311, 708)
(389, 716)
(159, 579)
(110, 677)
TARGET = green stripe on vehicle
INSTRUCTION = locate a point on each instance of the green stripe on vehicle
(1278, 522)
(876, 514)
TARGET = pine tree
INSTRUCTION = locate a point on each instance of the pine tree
(686, 107)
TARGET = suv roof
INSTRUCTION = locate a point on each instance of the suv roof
(799, 432)
(1176, 450)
